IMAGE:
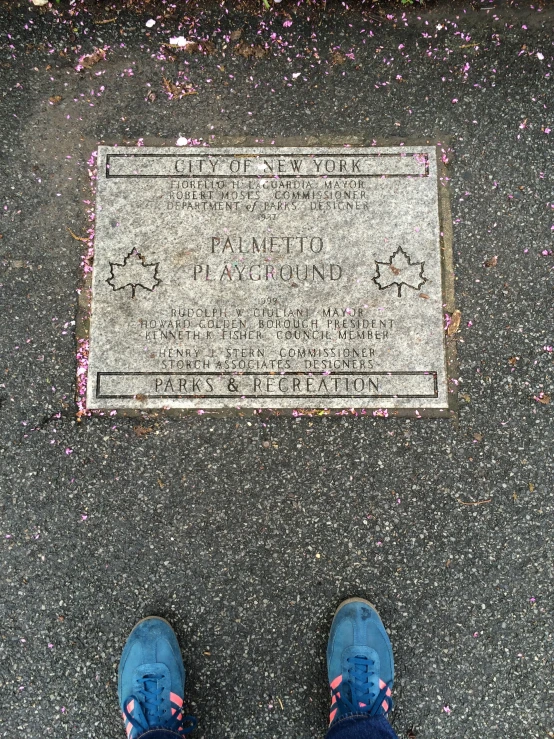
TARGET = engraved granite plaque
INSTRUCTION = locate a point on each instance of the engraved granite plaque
(276, 278)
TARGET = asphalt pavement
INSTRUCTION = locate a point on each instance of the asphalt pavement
(246, 532)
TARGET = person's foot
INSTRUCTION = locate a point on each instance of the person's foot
(360, 664)
(151, 680)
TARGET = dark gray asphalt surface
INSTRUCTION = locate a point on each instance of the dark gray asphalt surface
(248, 547)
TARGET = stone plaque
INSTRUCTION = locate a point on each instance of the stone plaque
(277, 278)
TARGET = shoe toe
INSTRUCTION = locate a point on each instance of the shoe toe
(357, 623)
(151, 642)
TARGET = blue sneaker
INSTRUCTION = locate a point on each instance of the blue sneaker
(151, 681)
(360, 664)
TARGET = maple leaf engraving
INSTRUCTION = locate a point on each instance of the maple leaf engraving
(133, 273)
(399, 271)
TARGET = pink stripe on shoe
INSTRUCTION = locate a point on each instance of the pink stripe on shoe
(128, 724)
(176, 699)
(336, 682)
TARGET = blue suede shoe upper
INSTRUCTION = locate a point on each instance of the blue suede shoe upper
(360, 662)
(151, 680)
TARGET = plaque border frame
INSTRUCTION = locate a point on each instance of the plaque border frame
(442, 144)
(427, 373)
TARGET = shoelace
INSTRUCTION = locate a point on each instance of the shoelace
(362, 699)
(149, 709)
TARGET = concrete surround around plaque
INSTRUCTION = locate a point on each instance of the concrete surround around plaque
(278, 278)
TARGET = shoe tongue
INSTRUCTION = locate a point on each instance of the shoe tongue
(364, 653)
(152, 679)
(150, 683)
(367, 679)
(154, 672)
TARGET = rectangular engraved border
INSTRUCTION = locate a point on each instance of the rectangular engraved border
(442, 143)
(255, 176)
(304, 398)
